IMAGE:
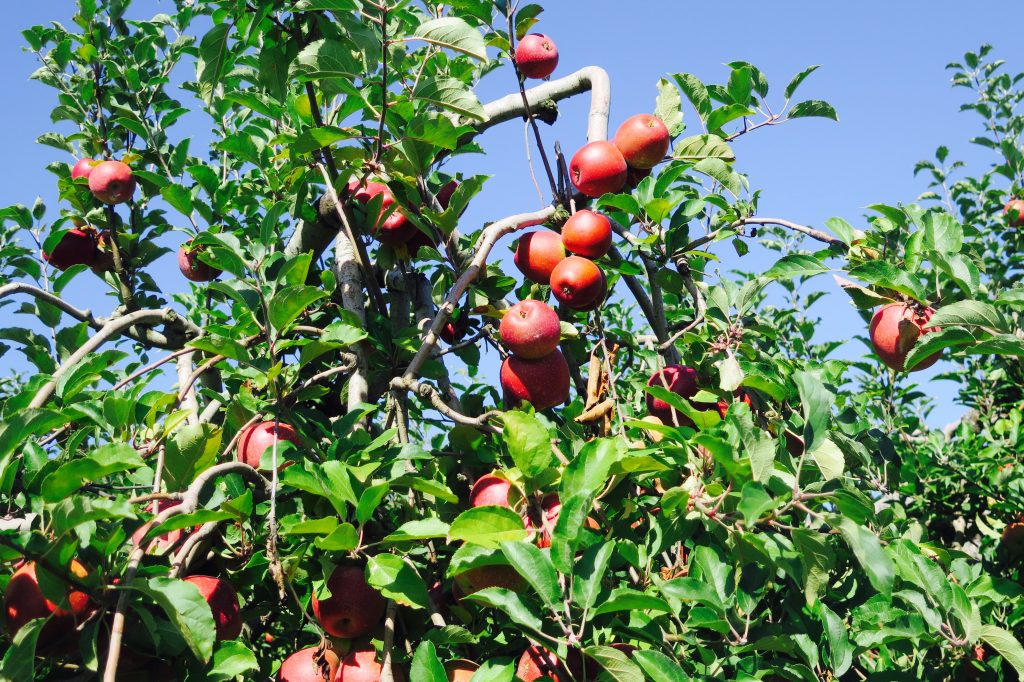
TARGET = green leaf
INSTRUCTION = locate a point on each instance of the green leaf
(589, 572)
(191, 450)
(719, 170)
(290, 302)
(101, 462)
(213, 55)
(707, 146)
(344, 538)
(796, 265)
(1000, 344)
(397, 580)
(327, 59)
(487, 526)
(669, 107)
(20, 658)
(696, 92)
(535, 566)
(419, 529)
(969, 314)
(817, 559)
(528, 442)
(840, 652)
(800, 78)
(816, 401)
(872, 558)
(322, 526)
(813, 107)
(828, 457)
(888, 276)
(628, 599)
(741, 84)
(219, 345)
(510, 603)
(725, 114)
(453, 33)
(370, 500)
(179, 197)
(1006, 644)
(933, 342)
(187, 610)
(754, 502)
(452, 95)
(231, 659)
(659, 667)
(587, 473)
(426, 665)
(615, 664)
(315, 138)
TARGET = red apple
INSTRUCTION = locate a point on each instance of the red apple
(309, 665)
(536, 56)
(544, 382)
(598, 168)
(1013, 540)
(417, 241)
(482, 577)
(460, 670)
(223, 601)
(257, 438)
(455, 329)
(643, 140)
(490, 490)
(165, 541)
(537, 254)
(83, 168)
(537, 662)
(894, 330)
(551, 508)
(353, 607)
(1015, 206)
(577, 282)
(76, 247)
(679, 379)
(445, 194)
(531, 329)
(587, 234)
(24, 601)
(361, 665)
(104, 261)
(193, 268)
(601, 296)
(723, 404)
(396, 228)
(112, 182)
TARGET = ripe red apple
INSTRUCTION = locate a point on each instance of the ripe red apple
(723, 404)
(531, 329)
(83, 168)
(544, 382)
(537, 254)
(537, 662)
(577, 282)
(309, 665)
(353, 607)
(1013, 540)
(445, 194)
(104, 261)
(361, 665)
(112, 182)
(482, 577)
(24, 601)
(76, 247)
(894, 330)
(1015, 206)
(223, 601)
(455, 329)
(643, 140)
(551, 508)
(679, 379)
(598, 168)
(166, 540)
(396, 228)
(587, 234)
(257, 438)
(601, 296)
(460, 670)
(490, 490)
(193, 268)
(536, 56)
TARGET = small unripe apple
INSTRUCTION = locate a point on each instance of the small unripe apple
(543, 383)
(76, 247)
(679, 379)
(894, 330)
(1014, 212)
(112, 182)
(460, 670)
(396, 228)
(531, 329)
(587, 234)
(193, 268)
(536, 56)
(361, 665)
(309, 665)
(83, 168)
(24, 601)
(643, 140)
(490, 490)
(598, 168)
(577, 282)
(255, 440)
(482, 577)
(223, 601)
(353, 607)
(537, 254)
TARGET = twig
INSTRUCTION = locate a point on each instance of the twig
(387, 673)
(430, 393)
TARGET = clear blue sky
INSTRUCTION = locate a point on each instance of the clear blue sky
(882, 68)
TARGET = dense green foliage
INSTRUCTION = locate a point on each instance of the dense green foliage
(811, 528)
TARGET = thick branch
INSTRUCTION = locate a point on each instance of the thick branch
(430, 393)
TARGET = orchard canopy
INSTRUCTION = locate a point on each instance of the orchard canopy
(357, 439)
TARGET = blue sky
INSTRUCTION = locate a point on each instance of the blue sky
(882, 68)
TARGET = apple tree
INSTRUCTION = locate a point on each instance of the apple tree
(300, 461)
